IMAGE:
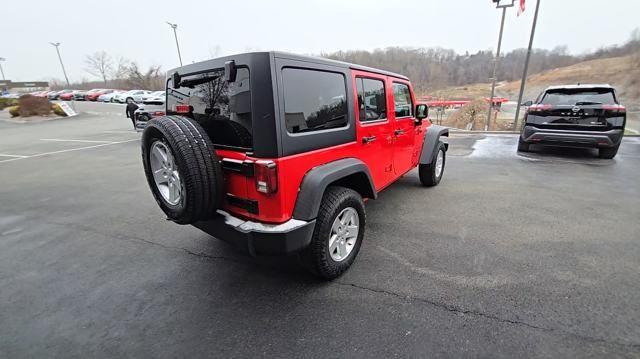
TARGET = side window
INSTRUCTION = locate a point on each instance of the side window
(314, 100)
(372, 102)
(402, 100)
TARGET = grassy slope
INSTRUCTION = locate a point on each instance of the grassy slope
(617, 71)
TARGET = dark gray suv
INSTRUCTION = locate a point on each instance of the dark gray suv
(575, 116)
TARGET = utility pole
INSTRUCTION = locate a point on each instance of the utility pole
(1, 70)
(526, 64)
(57, 46)
(175, 34)
(497, 58)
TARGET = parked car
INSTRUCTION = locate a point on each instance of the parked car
(108, 97)
(154, 95)
(135, 95)
(93, 96)
(151, 108)
(56, 95)
(284, 160)
(79, 95)
(575, 116)
(68, 96)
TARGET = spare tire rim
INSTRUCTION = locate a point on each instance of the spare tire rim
(439, 163)
(344, 234)
(165, 173)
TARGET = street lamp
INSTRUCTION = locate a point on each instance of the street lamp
(57, 45)
(175, 34)
(499, 5)
(2, 71)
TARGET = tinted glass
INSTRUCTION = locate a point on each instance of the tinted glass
(371, 99)
(571, 97)
(314, 100)
(402, 100)
(222, 108)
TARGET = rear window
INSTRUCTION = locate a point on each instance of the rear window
(314, 100)
(570, 97)
(222, 108)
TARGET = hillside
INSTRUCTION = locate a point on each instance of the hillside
(621, 72)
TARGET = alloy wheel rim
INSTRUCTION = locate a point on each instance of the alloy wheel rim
(439, 163)
(165, 173)
(344, 234)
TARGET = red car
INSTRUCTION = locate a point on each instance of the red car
(68, 96)
(277, 153)
(93, 96)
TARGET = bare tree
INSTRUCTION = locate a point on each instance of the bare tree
(99, 64)
(151, 79)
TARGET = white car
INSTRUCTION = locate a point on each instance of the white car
(108, 97)
(154, 95)
(135, 95)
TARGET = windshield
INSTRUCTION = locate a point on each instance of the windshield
(570, 97)
(222, 108)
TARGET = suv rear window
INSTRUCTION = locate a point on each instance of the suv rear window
(223, 109)
(314, 100)
(570, 97)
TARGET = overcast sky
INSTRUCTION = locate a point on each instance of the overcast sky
(137, 29)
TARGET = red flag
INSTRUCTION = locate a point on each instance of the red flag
(521, 7)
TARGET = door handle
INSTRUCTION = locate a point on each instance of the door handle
(398, 132)
(368, 139)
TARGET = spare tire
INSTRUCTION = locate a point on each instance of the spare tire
(182, 169)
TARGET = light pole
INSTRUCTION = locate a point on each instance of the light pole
(495, 63)
(57, 45)
(526, 65)
(175, 34)
(2, 59)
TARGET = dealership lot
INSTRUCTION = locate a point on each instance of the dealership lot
(534, 255)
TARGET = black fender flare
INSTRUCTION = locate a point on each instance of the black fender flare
(431, 139)
(316, 181)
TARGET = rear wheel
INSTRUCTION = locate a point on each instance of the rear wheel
(338, 233)
(431, 174)
(182, 169)
(607, 153)
(522, 146)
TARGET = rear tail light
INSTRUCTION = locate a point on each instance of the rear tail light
(183, 108)
(539, 108)
(266, 175)
(615, 108)
(158, 113)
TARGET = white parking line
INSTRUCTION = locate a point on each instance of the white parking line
(6, 155)
(65, 140)
(18, 157)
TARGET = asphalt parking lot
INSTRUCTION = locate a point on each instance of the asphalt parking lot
(510, 256)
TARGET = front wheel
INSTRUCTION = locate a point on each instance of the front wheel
(430, 174)
(338, 233)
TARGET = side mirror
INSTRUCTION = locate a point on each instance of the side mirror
(176, 78)
(528, 103)
(230, 71)
(422, 112)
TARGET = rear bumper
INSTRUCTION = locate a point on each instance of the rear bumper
(259, 238)
(552, 137)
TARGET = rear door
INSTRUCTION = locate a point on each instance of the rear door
(375, 132)
(403, 122)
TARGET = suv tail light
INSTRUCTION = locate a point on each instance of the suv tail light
(539, 108)
(266, 175)
(615, 108)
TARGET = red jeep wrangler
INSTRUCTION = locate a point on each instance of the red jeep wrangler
(276, 153)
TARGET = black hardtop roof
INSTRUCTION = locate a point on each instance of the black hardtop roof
(199, 66)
